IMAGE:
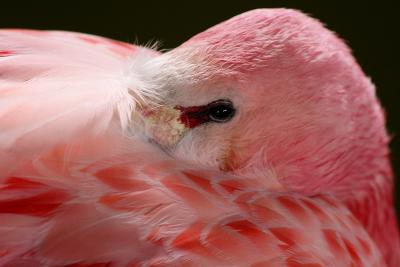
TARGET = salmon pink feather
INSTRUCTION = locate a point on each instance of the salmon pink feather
(108, 157)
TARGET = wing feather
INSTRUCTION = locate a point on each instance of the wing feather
(55, 86)
(111, 211)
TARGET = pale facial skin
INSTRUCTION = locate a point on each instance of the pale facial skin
(198, 129)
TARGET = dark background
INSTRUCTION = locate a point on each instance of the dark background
(369, 27)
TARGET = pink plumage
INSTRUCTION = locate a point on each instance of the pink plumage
(122, 210)
(298, 177)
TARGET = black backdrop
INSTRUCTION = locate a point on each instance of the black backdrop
(370, 28)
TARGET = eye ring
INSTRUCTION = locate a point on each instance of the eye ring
(220, 111)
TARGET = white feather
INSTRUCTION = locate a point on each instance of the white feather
(55, 86)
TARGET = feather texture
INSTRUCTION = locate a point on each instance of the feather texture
(77, 191)
(142, 209)
(55, 86)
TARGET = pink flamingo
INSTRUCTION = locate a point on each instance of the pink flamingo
(259, 142)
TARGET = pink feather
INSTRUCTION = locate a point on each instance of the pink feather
(55, 86)
(77, 191)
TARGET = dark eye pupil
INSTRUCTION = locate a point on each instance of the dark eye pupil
(221, 111)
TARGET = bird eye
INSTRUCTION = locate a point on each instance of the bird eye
(220, 111)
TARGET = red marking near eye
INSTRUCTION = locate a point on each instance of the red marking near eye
(6, 53)
(193, 116)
